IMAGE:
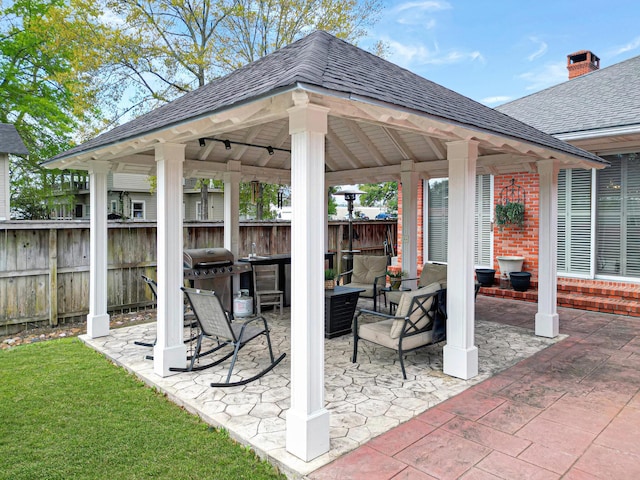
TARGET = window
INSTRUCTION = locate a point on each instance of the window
(618, 216)
(114, 206)
(198, 210)
(574, 221)
(78, 211)
(438, 230)
(137, 209)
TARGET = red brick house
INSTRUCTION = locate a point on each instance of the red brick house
(598, 211)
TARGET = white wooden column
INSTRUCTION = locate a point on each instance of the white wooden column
(169, 350)
(232, 208)
(547, 323)
(307, 420)
(98, 318)
(409, 179)
(460, 354)
(5, 188)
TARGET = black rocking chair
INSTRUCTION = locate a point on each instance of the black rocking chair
(216, 323)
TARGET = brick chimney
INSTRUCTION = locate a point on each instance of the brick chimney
(582, 62)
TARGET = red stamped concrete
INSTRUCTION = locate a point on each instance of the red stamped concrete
(571, 411)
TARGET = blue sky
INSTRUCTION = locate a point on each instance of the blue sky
(496, 51)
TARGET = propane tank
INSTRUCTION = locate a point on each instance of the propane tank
(243, 304)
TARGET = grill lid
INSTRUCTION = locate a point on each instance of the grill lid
(207, 257)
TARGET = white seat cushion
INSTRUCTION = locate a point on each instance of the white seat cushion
(380, 333)
(418, 316)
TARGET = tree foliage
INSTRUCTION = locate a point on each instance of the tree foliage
(380, 194)
(46, 90)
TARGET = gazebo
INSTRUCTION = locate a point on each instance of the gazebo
(318, 109)
(10, 143)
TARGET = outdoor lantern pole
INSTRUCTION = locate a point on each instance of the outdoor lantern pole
(350, 197)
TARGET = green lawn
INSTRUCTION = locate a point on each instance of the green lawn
(66, 412)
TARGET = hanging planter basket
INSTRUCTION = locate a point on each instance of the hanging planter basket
(510, 210)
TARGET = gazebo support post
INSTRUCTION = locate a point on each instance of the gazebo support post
(460, 354)
(169, 350)
(231, 179)
(547, 321)
(409, 179)
(307, 434)
(98, 318)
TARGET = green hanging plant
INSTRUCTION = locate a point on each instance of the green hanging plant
(511, 213)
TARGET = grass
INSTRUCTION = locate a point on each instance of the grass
(66, 412)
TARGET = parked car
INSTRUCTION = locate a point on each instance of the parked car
(385, 216)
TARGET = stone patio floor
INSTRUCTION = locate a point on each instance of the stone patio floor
(532, 412)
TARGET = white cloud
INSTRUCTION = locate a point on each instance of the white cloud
(418, 13)
(495, 100)
(542, 49)
(430, 6)
(419, 54)
(549, 74)
(632, 45)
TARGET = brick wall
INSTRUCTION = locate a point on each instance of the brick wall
(421, 230)
(514, 240)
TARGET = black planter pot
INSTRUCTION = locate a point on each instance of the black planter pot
(520, 281)
(485, 276)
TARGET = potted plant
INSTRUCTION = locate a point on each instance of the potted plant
(329, 279)
(395, 278)
(511, 213)
(520, 281)
(485, 276)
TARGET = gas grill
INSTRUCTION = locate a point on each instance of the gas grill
(213, 269)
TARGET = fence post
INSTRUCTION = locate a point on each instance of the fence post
(53, 277)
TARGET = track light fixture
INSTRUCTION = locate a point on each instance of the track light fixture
(227, 145)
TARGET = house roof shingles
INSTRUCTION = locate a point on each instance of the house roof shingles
(605, 98)
(322, 60)
(10, 141)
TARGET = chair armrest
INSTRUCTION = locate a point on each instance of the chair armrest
(377, 314)
(348, 272)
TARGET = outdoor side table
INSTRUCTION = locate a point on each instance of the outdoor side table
(339, 307)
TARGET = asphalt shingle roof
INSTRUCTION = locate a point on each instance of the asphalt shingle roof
(605, 98)
(323, 60)
(10, 141)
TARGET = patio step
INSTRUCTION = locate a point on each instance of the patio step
(593, 295)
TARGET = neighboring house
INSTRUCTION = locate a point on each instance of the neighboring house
(130, 197)
(10, 144)
(598, 211)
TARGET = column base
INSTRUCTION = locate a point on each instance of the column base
(460, 362)
(547, 325)
(98, 325)
(165, 358)
(308, 435)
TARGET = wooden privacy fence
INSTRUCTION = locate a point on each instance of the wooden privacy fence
(44, 266)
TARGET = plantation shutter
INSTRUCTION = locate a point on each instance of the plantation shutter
(632, 211)
(609, 209)
(483, 227)
(574, 221)
(438, 218)
(618, 216)
(438, 199)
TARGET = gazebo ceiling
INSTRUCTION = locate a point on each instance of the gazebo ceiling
(403, 117)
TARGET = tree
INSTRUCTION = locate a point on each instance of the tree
(169, 47)
(259, 27)
(45, 91)
(380, 194)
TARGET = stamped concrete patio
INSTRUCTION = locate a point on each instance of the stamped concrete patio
(365, 399)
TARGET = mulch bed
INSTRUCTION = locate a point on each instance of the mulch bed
(39, 334)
